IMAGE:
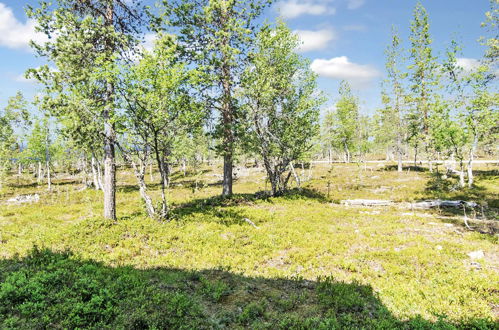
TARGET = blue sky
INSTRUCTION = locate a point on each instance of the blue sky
(344, 39)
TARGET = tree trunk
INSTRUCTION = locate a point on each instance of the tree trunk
(39, 176)
(227, 179)
(49, 179)
(461, 175)
(399, 153)
(96, 174)
(227, 112)
(140, 174)
(164, 171)
(415, 156)
(109, 140)
(470, 169)
(297, 178)
(347, 153)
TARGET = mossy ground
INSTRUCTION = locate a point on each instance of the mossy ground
(311, 263)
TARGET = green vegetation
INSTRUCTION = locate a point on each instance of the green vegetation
(310, 264)
(158, 132)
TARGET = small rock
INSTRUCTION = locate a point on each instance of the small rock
(439, 247)
(357, 231)
(448, 225)
(476, 254)
(476, 265)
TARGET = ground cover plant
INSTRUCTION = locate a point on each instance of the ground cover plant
(187, 164)
(310, 262)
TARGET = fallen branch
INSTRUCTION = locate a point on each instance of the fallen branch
(367, 202)
(428, 204)
(251, 223)
(439, 203)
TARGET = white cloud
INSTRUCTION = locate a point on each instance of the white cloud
(22, 79)
(359, 75)
(468, 64)
(314, 40)
(15, 34)
(149, 40)
(294, 8)
(354, 4)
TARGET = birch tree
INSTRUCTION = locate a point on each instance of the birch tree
(393, 115)
(160, 109)
(283, 103)
(40, 148)
(423, 76)
(347, 120)
(15, 116)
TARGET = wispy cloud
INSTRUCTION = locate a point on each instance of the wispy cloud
(315, 40)
(468, 64)
(359, 75)
(16, 34)
(294, 8)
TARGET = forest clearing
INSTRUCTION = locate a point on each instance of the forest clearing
(249, 164)
(308, 261)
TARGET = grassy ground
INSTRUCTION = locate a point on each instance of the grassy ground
(311, 263)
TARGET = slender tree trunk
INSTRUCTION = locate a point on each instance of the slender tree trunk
(347, 153)
(227, 176)
(470, 172)
(470, 165)
(140, 175)
(164, 171)
(110, 137)
(399, 154)
(415, 155)
(297, 178)
(109, 171)
(96, 174)
(39, 176)
(227, 115)
(461, 174)
(49, 179)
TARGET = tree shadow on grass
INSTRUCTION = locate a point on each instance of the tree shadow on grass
(59, 290)
(223, 208)
(448, 189)
(217, 208)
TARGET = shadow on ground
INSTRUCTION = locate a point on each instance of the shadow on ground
(223, 208)
(438, 187)
(58, 290)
